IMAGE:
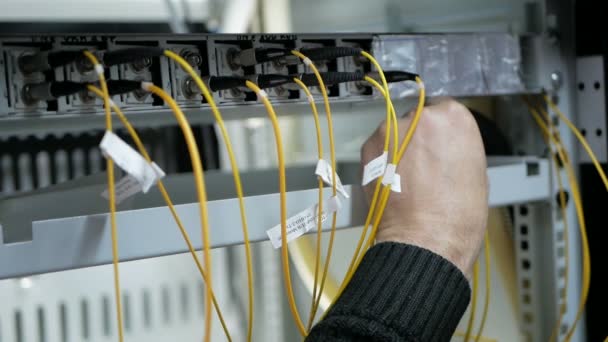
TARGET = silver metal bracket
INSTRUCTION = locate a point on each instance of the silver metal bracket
(591, 106)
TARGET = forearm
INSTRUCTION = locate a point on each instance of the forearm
(399, 292)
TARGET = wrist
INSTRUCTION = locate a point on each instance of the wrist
(441, 245)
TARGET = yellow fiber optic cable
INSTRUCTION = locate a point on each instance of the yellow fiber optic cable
(140, 146)
(332, 151)
(393, 117)
(235, 173)
(315, 114)
(563, 154)
(199, 182)
(467, 334)
(405, 143)
(486, 302)
(390, 116)
(580, 138)
(283, 207)
(384, 198)
(386, 189)
(389, 105)
(111, 193)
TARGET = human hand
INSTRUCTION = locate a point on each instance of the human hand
(443, 206)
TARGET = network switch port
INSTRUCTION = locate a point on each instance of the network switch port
(224, 53)
(150, 69)
(81, 71)
(354, 64)
(17, 81)
(183, 88)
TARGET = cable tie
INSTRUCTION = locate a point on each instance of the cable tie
(396, 185)
(392, 178)
(146, 85)
(421, 85)
(307, 61)
(333, 204)
(111, 103)
(389, 173)
(325, 172)
(99, 69)
(262, 93)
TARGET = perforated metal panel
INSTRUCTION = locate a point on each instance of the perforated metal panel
(163, 300)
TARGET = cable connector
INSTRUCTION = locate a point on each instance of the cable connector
(272, 80)
(46, 91)
(393, 76)
(46, 60)
(217, 83)
(130, 55)
(117, 87)
(330, 52)
(253, 56)
(331, 78)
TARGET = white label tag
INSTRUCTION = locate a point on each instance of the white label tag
(129, 160)
(396, 184)
(302, 222)
(389, 174)
(129, 186)
(125, 188)
(392, 178)
(325, 172)
(375, 168)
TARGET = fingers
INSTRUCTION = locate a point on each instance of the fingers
(444, 117)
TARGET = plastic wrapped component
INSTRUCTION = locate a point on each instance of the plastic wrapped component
(453, 64)
(501, 63)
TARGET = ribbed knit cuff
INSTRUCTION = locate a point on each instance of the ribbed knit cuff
(412, 291)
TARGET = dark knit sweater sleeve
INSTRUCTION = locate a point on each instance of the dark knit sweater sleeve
(399, 293)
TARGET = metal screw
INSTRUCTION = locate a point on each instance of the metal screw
(279, 63)
(556, 80)
(280, 91)
(232, 59)
(235, 92)
(189, 88)
(26, 96)
(86, 97)
(360, 87)
(193, 58)
(140, 65)
(359, 60)
(140, 95)
(83, 65)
